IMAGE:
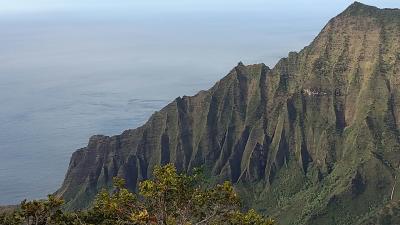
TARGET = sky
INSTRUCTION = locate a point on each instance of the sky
(24, 6)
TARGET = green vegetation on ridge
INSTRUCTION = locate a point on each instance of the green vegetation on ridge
(168, 199)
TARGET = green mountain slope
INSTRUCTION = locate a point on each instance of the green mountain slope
(315, 140)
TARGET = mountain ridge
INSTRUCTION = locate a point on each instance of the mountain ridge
(321, 128)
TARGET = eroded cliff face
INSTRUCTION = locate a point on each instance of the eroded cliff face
(315, 140)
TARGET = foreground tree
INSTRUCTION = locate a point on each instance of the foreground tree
(36, 212)
(169, 198)
(173, 198)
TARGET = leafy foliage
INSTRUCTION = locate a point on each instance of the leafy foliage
(169, 198)
(36, 212)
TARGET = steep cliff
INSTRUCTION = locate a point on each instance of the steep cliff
(315, 140)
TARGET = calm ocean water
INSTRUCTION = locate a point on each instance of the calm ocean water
(65, 76)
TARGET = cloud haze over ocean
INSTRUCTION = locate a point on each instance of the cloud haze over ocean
(25, 6)
(70, 69)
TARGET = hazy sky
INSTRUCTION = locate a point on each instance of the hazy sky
(18, 6)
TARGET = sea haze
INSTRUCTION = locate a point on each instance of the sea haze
(68, 73)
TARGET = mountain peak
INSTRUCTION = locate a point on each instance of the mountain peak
(361, 9)
(358, 8)
(358, 4)
(240, 64)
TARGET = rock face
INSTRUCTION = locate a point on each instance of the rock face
(315, 140)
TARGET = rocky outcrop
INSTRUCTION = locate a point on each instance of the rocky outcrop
(315, 140)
